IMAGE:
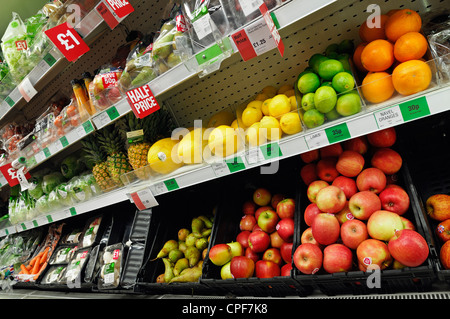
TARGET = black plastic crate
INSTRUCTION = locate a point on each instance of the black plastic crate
(426, 146)
(240, 189)
(357, 282)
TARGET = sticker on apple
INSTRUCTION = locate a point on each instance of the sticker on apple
(367, 261)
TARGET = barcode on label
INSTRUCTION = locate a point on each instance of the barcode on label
(202, 27)
(250, 6)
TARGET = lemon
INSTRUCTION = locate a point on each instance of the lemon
(270, 128)
(293, 101)
(254, 136)
(284, 88)
(261, 97)
(190, 149)
(279, 105)
(265, 107)
(224, 117)
(162, 156)
(290, 123)
(257, 104)
(251, 115)
(223, 141)
(235, 124)
(270, 91)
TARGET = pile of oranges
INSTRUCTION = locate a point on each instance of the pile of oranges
(391, 56)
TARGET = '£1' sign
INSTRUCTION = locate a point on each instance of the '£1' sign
(68, 41)
(11, 175)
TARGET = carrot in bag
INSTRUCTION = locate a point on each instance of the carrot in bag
(24, 270)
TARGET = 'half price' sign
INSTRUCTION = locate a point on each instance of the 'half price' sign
(68, 41)
(120, 7)
(142, 101)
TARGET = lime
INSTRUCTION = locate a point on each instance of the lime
(344, 59)
(325, 99)
(332, 115)
(332, 55)
(343, 82)
(306, 70)
(332, 48)
(308, 101)
(326, 83)
(309, 82)
(313, 118)
(329, 68)
(315, 61)
(346, 46)
(348, 104)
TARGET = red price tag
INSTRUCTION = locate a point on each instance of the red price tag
(120, 7)
(21, 45)
(273, 29)
(142, 101)
(68, 41)
(11, 174)
(107, 15)
(244, 45)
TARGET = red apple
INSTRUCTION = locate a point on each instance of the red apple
(444, 255)
(268, 220)
(285, 229)
(247, 222)
(353, 233)
(347, 184)
(344, 215)
(350, 163)
(310, 156)
(308, 258)
(357, 144)
(262, 209)
(220, 254)
(443, 230)
(262, 197)
(307, 237)
(372, 179)
(407, 224)
(286, 208)
(273, 254)
(363, 204)
(286, 252)
(326, 169)
(373, 252)
(251, 254)
(275, 240)
(267, 269)
(256, 227)
(258, 241)
(388, 160)
(310, 213)
(438, 207)
(325, 229)
(236, 249)
(333, 150)
(383, 138)
(276, 199)
(308, 173)
(337, 258)
(286, 270)
(394, 199)
(242, 267)
(242, 238)
(249, 208)
(383, 224)
(331, 199)
(314, 188)
(408, 247)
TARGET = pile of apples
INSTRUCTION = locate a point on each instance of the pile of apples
(355, 217)
(263, 247)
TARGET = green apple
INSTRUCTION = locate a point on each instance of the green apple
(225, 272)
(236, 249)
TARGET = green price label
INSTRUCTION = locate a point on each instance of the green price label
(47, 152)
(72, 211)
(88, 128)
(35, 223)
(49, 218)
(236, 164)
(6, 231)
(49, 59)
(415, 109)
(64, 141)
(10, 101)
(23, 226)
(337, 133)
(271, 151)
(171, 184)
(112, 113)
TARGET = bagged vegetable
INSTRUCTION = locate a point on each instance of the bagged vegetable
(104, 90)
(71, 166)
(76, 266)
(90, 232)
(50, 181)
(64, 194)
(55, 275)
(42, 205)
(54, 201)
(111, 267)
(6, 81)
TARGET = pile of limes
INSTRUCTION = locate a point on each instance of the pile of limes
(327, 86)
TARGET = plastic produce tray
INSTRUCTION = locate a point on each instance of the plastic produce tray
(356, 282)
(428, 158)
(240, 189)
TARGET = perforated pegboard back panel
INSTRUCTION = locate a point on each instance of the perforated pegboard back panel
(239, 81)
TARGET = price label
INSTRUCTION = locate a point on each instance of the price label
(144, 199)
(171, 184)
(337, 133)
(11, 175)
(68, 41)
(70, 212)
(235, 164)
(272, 27)
(64, 142)
(250, 6)
(388, 117)
(142, 101)
(121, 8)
(415, 109)
(27, 89)
(316, 140)
(111, 19)
(254, 155)
(220, 169)
(271, 151)
(49, 59)
(10, 101)
(47, 152)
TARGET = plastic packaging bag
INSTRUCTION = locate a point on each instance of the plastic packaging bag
(90, 232)
(111, 267)
(104, 90)
(76, 265)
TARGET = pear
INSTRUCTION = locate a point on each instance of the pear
(201, 243)
(183, 233)
(173, 60)
(168, 272)
(188, 275)
(168, 246)
(160, 279)
(190, 240)
(197, 225)
(206, 232)
(182, 246)
(175, 254)
(193, 255)
(180, 265)
(206, 220)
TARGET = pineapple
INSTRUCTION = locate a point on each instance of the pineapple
(97, 158)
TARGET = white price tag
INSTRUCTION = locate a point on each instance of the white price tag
(27, 89)
(40, 157)
(250, 6)
(202, 26)
(220, 169)
(4, 108)
(144, 199)
(254, 155)
(160, 188)
(55, 147)
(389, 117)
(260, 37)
(101, 120)
(317, 139)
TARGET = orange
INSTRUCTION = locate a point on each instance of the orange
(357, 57)
(377, 87)
(410, 46)
(411, 77)
(391, 12)
(378, 56)
(401, 22)
(368, 34)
